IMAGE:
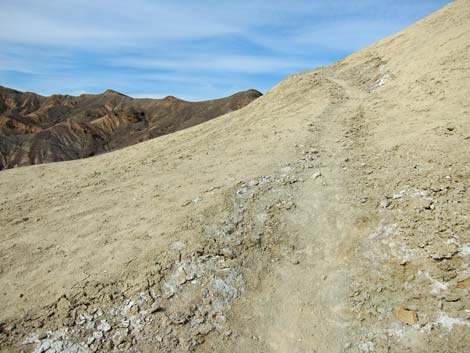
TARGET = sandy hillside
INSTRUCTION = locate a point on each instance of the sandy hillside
(330, 215)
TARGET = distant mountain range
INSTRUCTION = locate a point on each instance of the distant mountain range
(35, 129)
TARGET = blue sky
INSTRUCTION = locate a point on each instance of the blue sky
(194, 50)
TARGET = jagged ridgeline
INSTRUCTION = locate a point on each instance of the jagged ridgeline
(36, 129)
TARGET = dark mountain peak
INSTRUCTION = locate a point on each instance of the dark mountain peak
(254, 91)
(111, 92)
(4, 89)
(171, 99)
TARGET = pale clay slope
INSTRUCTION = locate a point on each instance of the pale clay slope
(320, 264)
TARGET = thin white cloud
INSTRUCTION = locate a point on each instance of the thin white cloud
(105, 23)
(228, 63)
(348, 35)
(7, 64)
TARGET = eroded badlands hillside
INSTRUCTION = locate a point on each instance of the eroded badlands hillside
(35, 129)
(330, 215)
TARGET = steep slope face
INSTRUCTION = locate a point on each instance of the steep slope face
(36, 129)
(330, 215)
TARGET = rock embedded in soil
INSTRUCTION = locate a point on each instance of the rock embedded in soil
(463, 284)
(405, 315)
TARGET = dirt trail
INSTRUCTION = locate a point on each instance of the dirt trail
(301, 305)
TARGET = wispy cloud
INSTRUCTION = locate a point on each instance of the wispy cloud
(225, 63)
(348, 35)
(197, 49)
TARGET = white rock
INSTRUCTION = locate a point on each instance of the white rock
(104, 326)
(316, 175)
